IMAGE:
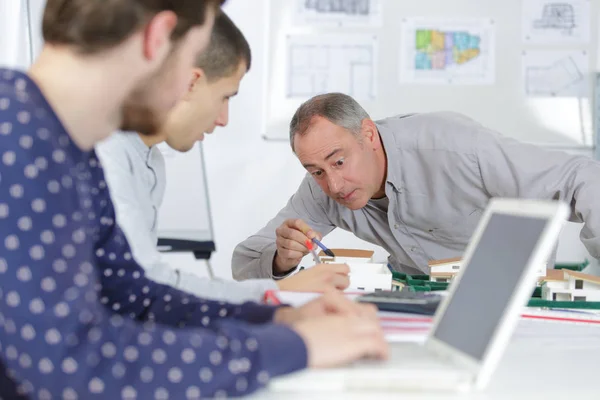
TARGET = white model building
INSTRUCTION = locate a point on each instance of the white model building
(444, 270)
(346, 256)
(565, 285)
(364, 274)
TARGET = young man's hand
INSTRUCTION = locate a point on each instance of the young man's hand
(330, 304)
(320, 278)
(336, 340)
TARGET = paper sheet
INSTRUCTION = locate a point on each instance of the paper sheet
(343, 13)
(332, 63)
(447, 51)
(549, 73)
(556, 22)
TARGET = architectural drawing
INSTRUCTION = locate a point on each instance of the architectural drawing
(351, 7)
(556, 21)
(447, 51)
(557, 16)
(364, 13)
(318, 66)
(555, 74)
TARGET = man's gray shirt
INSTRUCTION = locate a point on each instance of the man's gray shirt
(443, 168)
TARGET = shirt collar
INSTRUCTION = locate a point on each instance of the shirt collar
(392, 153)
(138, 144)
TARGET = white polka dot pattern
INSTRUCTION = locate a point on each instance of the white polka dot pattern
(75, 307)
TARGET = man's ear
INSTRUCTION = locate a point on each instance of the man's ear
(369, 131)
(157, 36)
(198, 77)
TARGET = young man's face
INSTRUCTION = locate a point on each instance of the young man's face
(205, 107)
(147, 107)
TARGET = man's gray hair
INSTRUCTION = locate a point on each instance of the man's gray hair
(338, 108)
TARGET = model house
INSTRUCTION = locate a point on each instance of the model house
(565, 285)
(347, 256)
(444, 270)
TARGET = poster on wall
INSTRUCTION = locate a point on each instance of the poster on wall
(447, 51)
(342, 13)
(556, 73)
(556, 22)
(332, 63)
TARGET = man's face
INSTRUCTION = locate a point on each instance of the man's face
(344, 165)
(146, 109)
(204, 108)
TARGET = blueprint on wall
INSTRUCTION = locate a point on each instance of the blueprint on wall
(338, 12)
(555, 22)
(556, 73)
(332, 63)
(447, 52)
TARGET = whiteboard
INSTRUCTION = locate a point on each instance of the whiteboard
(184, 218)
(501, 104)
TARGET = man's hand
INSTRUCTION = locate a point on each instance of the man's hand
(320, 278)
(336, 340)
(330, 304)
(290, 240)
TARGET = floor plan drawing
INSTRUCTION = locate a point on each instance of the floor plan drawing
(350, 7)
(555, 74)
(554, 22)
(366, 13)
(331, 64)
(557, 16)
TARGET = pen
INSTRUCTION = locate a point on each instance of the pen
(271, 298)
(311, 248)
(325, 249)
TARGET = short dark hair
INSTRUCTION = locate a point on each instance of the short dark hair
(227, 49)
(91, 26)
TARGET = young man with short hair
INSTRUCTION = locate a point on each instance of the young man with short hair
(135, 172)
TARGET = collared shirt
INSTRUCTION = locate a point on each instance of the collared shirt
(136, 178)
(443, 168)
(78, 318)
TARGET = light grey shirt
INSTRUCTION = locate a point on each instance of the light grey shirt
(136, 178)
(443, 168)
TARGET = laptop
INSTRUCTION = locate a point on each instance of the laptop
(474, 323)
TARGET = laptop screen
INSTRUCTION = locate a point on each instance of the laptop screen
(487, 285)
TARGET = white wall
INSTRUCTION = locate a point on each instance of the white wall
(250, 179)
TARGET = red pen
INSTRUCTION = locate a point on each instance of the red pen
(311, 248)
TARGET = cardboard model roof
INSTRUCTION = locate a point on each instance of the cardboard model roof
(553, 275)
(583, 277)
(433, 263)
(349, 253)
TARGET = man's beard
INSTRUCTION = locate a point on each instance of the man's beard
(138, 113)
(139, 117)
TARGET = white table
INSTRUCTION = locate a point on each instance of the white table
(545, 366)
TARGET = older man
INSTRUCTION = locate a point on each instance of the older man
(414, 184)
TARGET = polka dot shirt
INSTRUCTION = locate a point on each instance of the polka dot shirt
(78, 318)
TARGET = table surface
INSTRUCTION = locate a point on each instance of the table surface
(548, 361)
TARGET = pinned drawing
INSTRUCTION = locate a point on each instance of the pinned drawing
(552, 22)
(332, 63)
(556, 73)
(447, 52)
(559, 16)
(349, 7)
(338, 12)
